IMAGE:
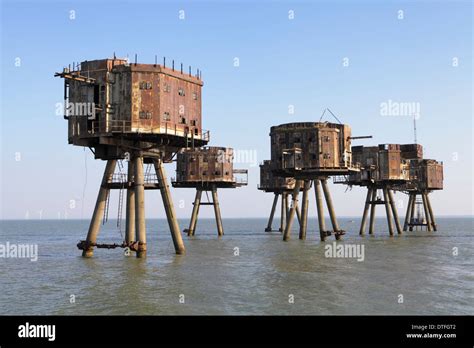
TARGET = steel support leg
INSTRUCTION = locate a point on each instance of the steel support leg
(130, 213)
(294, 206)
(394, 211)
(272, 214)
(430, 209)
(408, 213)
(320, 209)
(217, 211)
(194, 215)
(427, 212)
(94, 226)
(332, 214)
(387, 211)
(412, 212)
(140, 206)
(304, 210)
(372, 211)
(283, 213)
(169, 208)
(366, 211)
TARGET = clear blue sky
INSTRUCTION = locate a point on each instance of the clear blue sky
(282, 62)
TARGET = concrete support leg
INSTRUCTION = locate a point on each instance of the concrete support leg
(320, 209)
(304, 210)
(194, 215)
(283, 212)
(412, 209)
(169, 208)
(427, 212)
(130, 213)
(366, 211)
(408, 213)
(394, 211)
(272, 214)
(430, 209)
(388, 212)
(140, 206)
(332, 213)
(94, 226)
(372, 211)
(294, 206)
(217, 211)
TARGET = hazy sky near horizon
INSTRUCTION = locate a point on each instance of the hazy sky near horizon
(349, 56)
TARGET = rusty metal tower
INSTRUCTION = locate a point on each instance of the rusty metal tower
(279, 186)
(207, 169)
(143, 113)
(382, 168)
(311, 152)
(426, 175)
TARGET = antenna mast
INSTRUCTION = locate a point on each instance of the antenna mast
(414, 127)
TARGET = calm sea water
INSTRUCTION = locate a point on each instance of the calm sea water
(261, 280)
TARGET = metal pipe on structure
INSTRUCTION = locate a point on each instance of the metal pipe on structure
(169, 207)
(427, 212)
(94, 226)
(433, 222)
(294, 206)
(408, 213)
(394, 211)
(140, 206)
(332, 214)
(194, 215)
(388, 212)
(272, 214)
(304, 210)
(130, 213)
(217, 211)
(366, 211)
(320, 208)
(372, 211)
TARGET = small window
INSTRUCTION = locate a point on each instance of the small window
(144, 115)
(166, 88)
(193, 122)
(195, 96)
(145, 85)
(217, 172)
(182, 120)
(181, 92)
(166, 116)
(204, 173)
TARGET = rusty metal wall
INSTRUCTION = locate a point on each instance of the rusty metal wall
(208, 164)
(411, 151)
(271, 183)
(311, 145)
(426, 174)
(379, 164)
(136, 98)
